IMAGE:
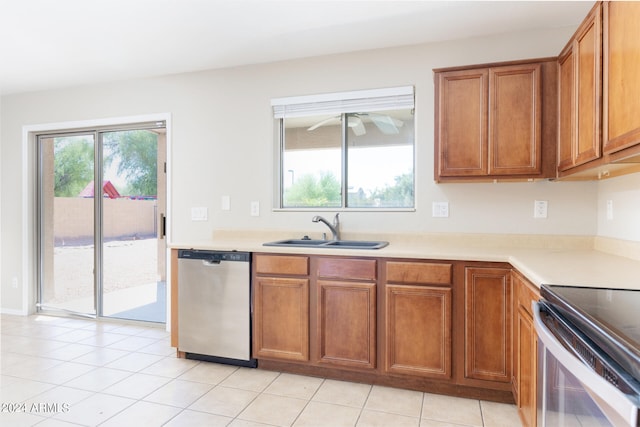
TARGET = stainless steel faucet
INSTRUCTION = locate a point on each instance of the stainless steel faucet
(335, 228)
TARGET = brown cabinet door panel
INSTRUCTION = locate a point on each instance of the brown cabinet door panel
(524, 349)
(515, 139)
(527, 368)
(418, 331)
(281, 318)
(566, 111)
(347, 323)
(462, 123)
(588, 50)
(622, 75)
(488, 324)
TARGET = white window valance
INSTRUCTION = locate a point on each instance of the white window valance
(395, 98)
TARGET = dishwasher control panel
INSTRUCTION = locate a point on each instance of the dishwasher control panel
(214, 256)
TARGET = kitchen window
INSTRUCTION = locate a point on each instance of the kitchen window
(350, 150)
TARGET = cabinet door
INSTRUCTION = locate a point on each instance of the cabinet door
(587, 46)
(621, 75)
(515, 105)
(418, 330)
(461, 123)
(281, 318)
(488, 324)
(527, 367)
(567, 109)
(525, 349)
(347, 323)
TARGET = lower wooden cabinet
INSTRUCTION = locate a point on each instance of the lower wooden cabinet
(418, 311)
(281, 318)
(525, 350)
(450, 327)
(488, 318)
(418, 330)
(347, 323)
(346, 311)
(281, 307)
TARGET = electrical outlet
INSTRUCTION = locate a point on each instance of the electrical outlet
(14, 282)
(540, 209)
(199, 214)
(255, 208)
(609, 209)
(440, 209)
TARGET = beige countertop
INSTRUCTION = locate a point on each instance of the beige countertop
(565, 260)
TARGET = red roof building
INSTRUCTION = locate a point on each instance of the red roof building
(107, 190)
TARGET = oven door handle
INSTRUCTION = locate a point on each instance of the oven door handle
(614, 404)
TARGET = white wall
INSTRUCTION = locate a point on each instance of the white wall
(624, 193)
(222, 144)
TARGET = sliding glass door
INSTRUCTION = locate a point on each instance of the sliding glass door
(101, 246)
(132, 283)
(67, 226)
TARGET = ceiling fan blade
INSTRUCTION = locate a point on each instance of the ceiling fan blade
(323, 122)
(387, 124)
(356, 125)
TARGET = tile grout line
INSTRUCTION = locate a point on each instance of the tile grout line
(30, 337)
(254, 399)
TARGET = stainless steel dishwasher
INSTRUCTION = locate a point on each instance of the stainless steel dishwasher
(214, 306)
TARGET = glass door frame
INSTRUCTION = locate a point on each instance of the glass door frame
(98, 239)
(40, 218)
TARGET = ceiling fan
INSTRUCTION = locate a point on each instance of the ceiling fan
(386, 124)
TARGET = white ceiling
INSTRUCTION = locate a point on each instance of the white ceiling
(48, 44)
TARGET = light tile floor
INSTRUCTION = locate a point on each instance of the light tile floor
(68, 372)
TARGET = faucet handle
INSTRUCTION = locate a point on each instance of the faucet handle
(336, 220)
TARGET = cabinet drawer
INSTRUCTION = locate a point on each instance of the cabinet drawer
(347, 268)
(419, 273)
(282, 264)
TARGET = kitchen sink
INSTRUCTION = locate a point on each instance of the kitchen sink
(297, 242)
(343, 244)
(356, 244)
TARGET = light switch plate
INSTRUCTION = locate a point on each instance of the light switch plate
(440, 209)
(199, 214)
(226, 203)
(255, 208)
(609, 209)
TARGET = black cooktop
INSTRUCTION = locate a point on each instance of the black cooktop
(609, 317)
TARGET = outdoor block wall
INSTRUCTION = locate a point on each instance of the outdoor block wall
(122, 219)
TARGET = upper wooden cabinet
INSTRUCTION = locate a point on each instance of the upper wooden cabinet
(580, 88)
(461, 123)
(495, 121)
(621, 128)
(599, 94)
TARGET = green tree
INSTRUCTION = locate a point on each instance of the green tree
(73, 165)
(399, 195)
(135, 154)
(309, 191)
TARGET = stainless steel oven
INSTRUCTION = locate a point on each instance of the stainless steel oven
(588, 356)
